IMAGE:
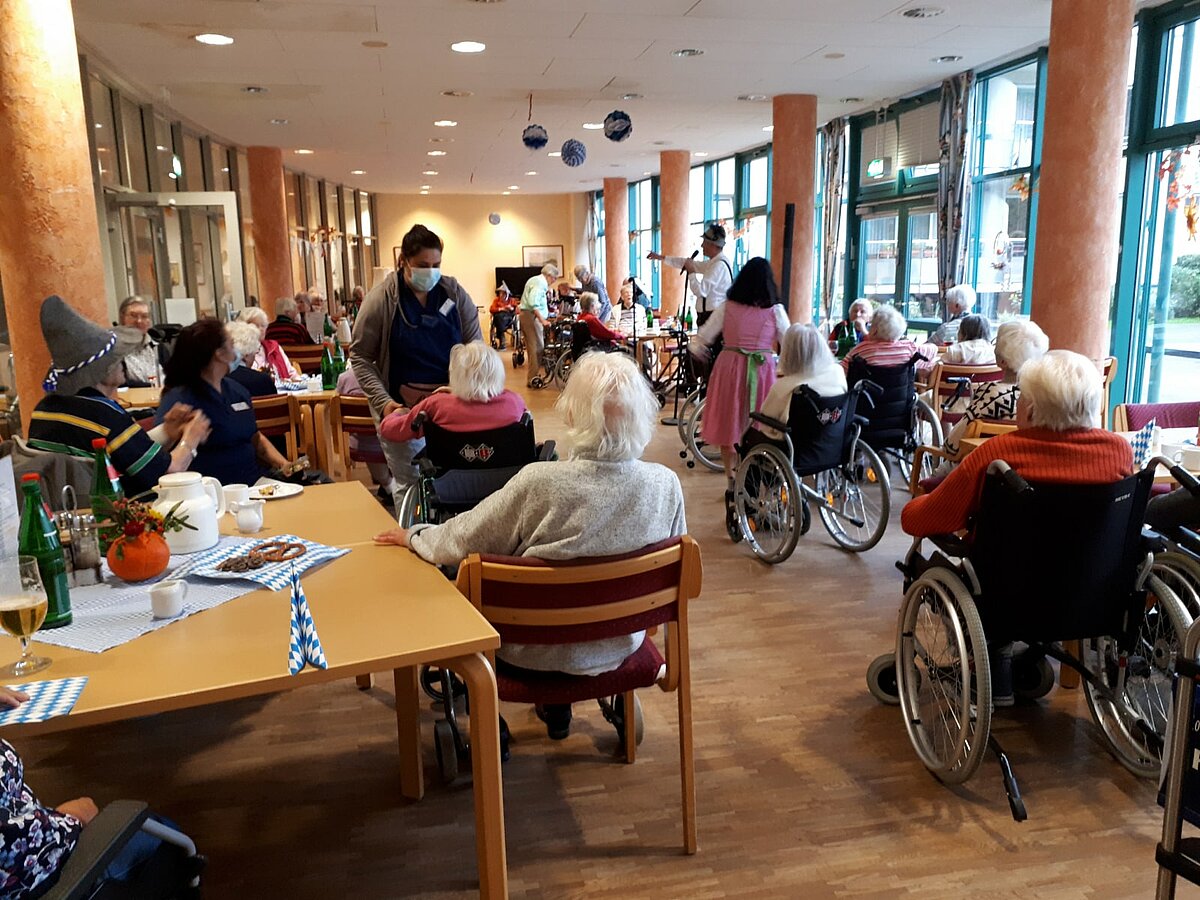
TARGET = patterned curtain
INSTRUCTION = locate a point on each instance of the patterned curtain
(833, 140)
(590, 229)
(952, 183)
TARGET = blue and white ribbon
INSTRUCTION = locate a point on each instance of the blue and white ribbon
(51, 382)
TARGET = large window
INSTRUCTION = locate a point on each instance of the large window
(644, 236)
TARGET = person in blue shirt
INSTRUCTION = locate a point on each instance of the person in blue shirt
(236, 452)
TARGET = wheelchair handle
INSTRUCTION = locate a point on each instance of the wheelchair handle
(864, 387)
(1185, 478)
(1008, 474)
(419, 420)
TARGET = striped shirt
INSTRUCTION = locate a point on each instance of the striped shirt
(890, 353)
(69, 423)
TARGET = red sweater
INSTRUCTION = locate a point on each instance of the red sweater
(453, 414)
(1080, 456)
(599, 330)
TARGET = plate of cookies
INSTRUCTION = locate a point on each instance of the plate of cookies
(267, 489)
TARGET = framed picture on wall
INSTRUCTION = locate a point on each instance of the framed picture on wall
(540, 254)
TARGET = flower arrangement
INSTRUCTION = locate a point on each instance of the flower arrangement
(130, 518)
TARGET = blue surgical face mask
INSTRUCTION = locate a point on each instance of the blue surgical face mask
(237, 360)
(423, 279)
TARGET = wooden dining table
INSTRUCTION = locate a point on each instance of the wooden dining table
(376, 608)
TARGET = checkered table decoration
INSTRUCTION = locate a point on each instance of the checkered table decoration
(305, 647)
(1141, 444)
(47, 699)
(276, 576)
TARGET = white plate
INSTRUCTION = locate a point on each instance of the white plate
(282, 489)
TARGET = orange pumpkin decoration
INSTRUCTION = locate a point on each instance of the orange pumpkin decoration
(139, 558)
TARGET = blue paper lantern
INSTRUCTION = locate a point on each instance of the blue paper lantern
(535, 137)
(618, 125)
(573, 152)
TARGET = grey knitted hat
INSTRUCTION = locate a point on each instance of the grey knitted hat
(81, 351)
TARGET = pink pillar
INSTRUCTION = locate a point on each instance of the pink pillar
(616, 234)
(674, 169)
(49, 234)
(272, 244)
(793, 180)
(1078, 226)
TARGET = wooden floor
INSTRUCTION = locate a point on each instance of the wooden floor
(806, 786)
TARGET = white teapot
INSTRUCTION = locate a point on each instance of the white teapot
(201, 500)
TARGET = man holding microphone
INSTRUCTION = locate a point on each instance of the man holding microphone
(709, 280)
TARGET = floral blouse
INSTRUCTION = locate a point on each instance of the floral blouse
(34, 840)
(992, 400)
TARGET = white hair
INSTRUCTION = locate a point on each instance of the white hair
(245, 337)
(254, 315)
(608, 409)
(588, 301)
(476, 372)
(887, 324)
(863, 302)
(1017, 343)
(580, 272)
(803, 350)
(550, 269)
(287, 306)
(962, 296)
(1064, 391)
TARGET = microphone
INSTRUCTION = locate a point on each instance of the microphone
(695, 253)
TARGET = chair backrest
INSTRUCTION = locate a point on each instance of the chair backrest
(279, 415)
(819, 428)
(945, 391)
(351, 417)
(1088, 539)
(306, 357)
(1135, 416)
(534, 601)
(497, 448)
(988, 428)
(1108, 368)
(889, 420)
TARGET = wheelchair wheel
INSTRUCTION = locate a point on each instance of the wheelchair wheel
(857, 492)
(881, 679)
(537, 382)
(1182, 575)
(1134, 694)
(767, 499)
(562, 370)
(518, 358)
(709, 457)
(926, 431)
(943, 677)
(409, 513)
(685, 413)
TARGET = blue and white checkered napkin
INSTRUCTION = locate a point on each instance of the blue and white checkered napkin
(305, 647)
(1141, 444)
(47, 699)
(276, 576)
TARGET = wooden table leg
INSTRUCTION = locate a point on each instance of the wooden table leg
(365, 682)
(323, 437)
(408, 722)
(477, 672)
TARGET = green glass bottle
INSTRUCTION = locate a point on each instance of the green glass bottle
(688, 321)
(38, 538)
(339, 359)
(328, 327)
(106, 487)
(649, 317)
(328, 377)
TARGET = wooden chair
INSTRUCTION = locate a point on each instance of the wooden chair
(1108, 368)
(976, 429)
(306, 357)
(537, 602)
(279, 416)
(1135, 416)
(945, 383)
(351, 417)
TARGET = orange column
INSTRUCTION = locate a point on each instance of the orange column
(49, 234)
(793, 180)
(674, 166)
(272, 245)
(1079, 208)
(616, 234)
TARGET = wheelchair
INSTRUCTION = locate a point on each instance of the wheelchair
(899, 421)
(1101, 589)
(581, 342)
(494, 333)
(822, 461)
(557, 343)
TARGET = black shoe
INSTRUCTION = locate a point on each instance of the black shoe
(386, 498)
(505, 737)
(731, 522)
(557, 717)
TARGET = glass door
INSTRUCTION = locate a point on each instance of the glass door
(880, 234)
(924, 300)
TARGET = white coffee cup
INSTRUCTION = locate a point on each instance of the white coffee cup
(166, 598)
(249, 515)
(235, 493)
(314, 383)
(1189, 457)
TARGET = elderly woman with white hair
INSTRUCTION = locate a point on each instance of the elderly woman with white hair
(804, 359)
(960, 300)
(602, 500)
(858, 318)
(886, 344)
(475, 400)
(246, 344)
(1057, 441)
(270, 356)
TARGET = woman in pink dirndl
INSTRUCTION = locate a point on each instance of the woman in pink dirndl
(752, 322)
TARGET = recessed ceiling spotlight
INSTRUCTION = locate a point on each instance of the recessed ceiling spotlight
(254, 89)
(700, 153)
(647, 173)
(852, 99)
(922, 12)
(445, 123)
(687, 51)
(514, 187)
(593, 126)
(436, 153)
(458, 93)
(835, 55)
(753, 98)
(468, 46)
(225, 169)
(375, 45)
(99, 125)
(531, 173)
(424, 192)
(948, 58)
(429, 172)
(631, 96)
(358, 172)
(660, 143)
(554, 153)
(506, 193)
(768, 128)
(279, 121)
(440, 140)
(303, 152)
(159, 147)
(213, 39)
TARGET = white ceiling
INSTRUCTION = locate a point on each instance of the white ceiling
(373, 109)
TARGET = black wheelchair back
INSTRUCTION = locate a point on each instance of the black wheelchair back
(899, 421)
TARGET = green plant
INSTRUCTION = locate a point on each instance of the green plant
(1185, 286)
(131, 518)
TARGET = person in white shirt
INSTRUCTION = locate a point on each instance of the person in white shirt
(974, 347)
(804, 358)
(142, 366)
(709, 280)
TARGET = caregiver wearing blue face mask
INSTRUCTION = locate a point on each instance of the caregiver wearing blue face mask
(403, 335)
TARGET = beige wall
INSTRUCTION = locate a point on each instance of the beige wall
(474, 247)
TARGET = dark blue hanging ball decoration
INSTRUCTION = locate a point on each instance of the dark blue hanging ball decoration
(535, 137)
(618, 125)
(573, 152)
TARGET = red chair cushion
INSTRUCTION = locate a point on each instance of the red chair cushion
(1166, 415)
(640, 670)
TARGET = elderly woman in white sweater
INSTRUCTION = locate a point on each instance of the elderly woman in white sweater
(602, 500)
(804, 358)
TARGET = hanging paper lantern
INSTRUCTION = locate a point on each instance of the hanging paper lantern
(618, 125)
(573, 152)
(535, 137)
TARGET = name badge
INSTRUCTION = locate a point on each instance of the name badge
(240, 406)
(446, 307)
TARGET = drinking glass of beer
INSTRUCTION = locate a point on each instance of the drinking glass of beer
(22, 612)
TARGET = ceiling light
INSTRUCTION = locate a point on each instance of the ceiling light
(279, 121)
(852, 99)
(213, 39)
(425, 187)
(424, 192)
(922, 12)
(835, 55)
(514, 187)
(98, 125)
(458, 93)
(631, 97)
(554, 153)
(505, 193)
(303, 152)
(948, 58)
(468, 46)
(375, 45)
(700, 153)
(225, 169)
(753, 98)
(768, 128)
(357, 172)
(254, 89)
(445, 123)
(440, 140)
(686, 52)
(436, 153)
(429, 172)
(531, 173)
(593, 126)
(647, 173)
(161, 147)
(660, 143)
